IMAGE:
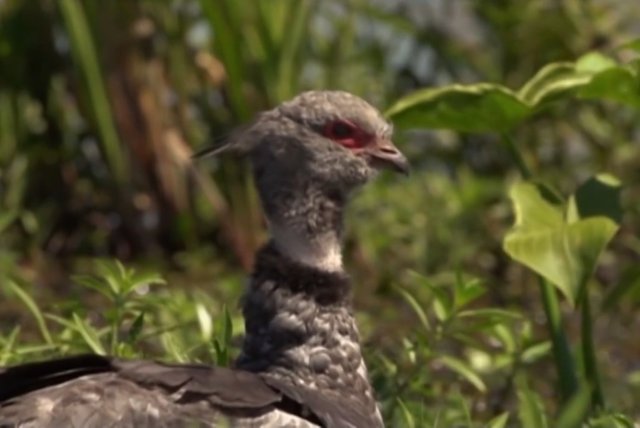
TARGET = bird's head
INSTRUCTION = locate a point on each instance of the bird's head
(307, 155)
(330, 138)
(342, 135)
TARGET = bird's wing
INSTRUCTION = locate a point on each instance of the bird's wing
(331, 408)
(94, 391)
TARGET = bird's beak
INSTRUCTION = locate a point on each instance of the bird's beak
(384, 154)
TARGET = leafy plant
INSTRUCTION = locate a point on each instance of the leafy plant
(96, 129)
(562, 244)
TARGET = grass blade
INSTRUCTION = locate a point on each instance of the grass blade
(33, 308)
(86, 59)
(229, 49)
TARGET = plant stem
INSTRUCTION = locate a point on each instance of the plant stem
(565, 367)
(567, 379)
(589, 353)
(517, 157)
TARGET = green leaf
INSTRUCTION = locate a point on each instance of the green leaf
(136, 328)
(530, 411)
(574, 413)
(94, 283)
(8, 343)
(499, 421)
(441, 307)
(140, 281)
(618, 84)
(482, 107)
(222, 343)
(599, 196)
(564, 251)
(483, 317)
(89, 335)
(205, 322)
(33, 308)
(417, 309)
(463, 370)
(612, 420)
(594, 62)
(467, 291)
(551, 83)
(536, 351)
(486, 107)
(409, 421)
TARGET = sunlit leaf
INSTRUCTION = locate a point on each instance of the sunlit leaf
(89, 335)
(536, 351)
(463, 369)
(617, 84)
(551, 83)
(499, 421)
(564, 252)
(485, 107)
(205, 322)
(482, 107)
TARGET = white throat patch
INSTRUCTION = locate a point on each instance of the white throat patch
(323, 253)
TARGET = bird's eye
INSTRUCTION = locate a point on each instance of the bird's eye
(341, 130)
(346, 134)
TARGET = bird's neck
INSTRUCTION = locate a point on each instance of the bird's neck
(321, 252)
(300, 328)
(306, 226)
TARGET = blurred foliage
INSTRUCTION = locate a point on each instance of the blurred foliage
(102, 104)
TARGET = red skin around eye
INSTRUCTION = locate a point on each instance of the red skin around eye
(356, 138)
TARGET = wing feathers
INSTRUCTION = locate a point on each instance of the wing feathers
(93, 390)
(221, 386)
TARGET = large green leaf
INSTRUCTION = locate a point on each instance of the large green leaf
(619, 84)
(485, 107)
(552, 82)
(562, 242)
(599, 196)
(468, 108)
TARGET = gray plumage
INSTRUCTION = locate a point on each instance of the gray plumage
(301, 363)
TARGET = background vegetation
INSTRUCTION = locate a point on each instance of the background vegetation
(503, 273)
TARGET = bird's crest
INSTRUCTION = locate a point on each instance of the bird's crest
(238, 142)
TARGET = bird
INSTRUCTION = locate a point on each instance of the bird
(301, 362)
